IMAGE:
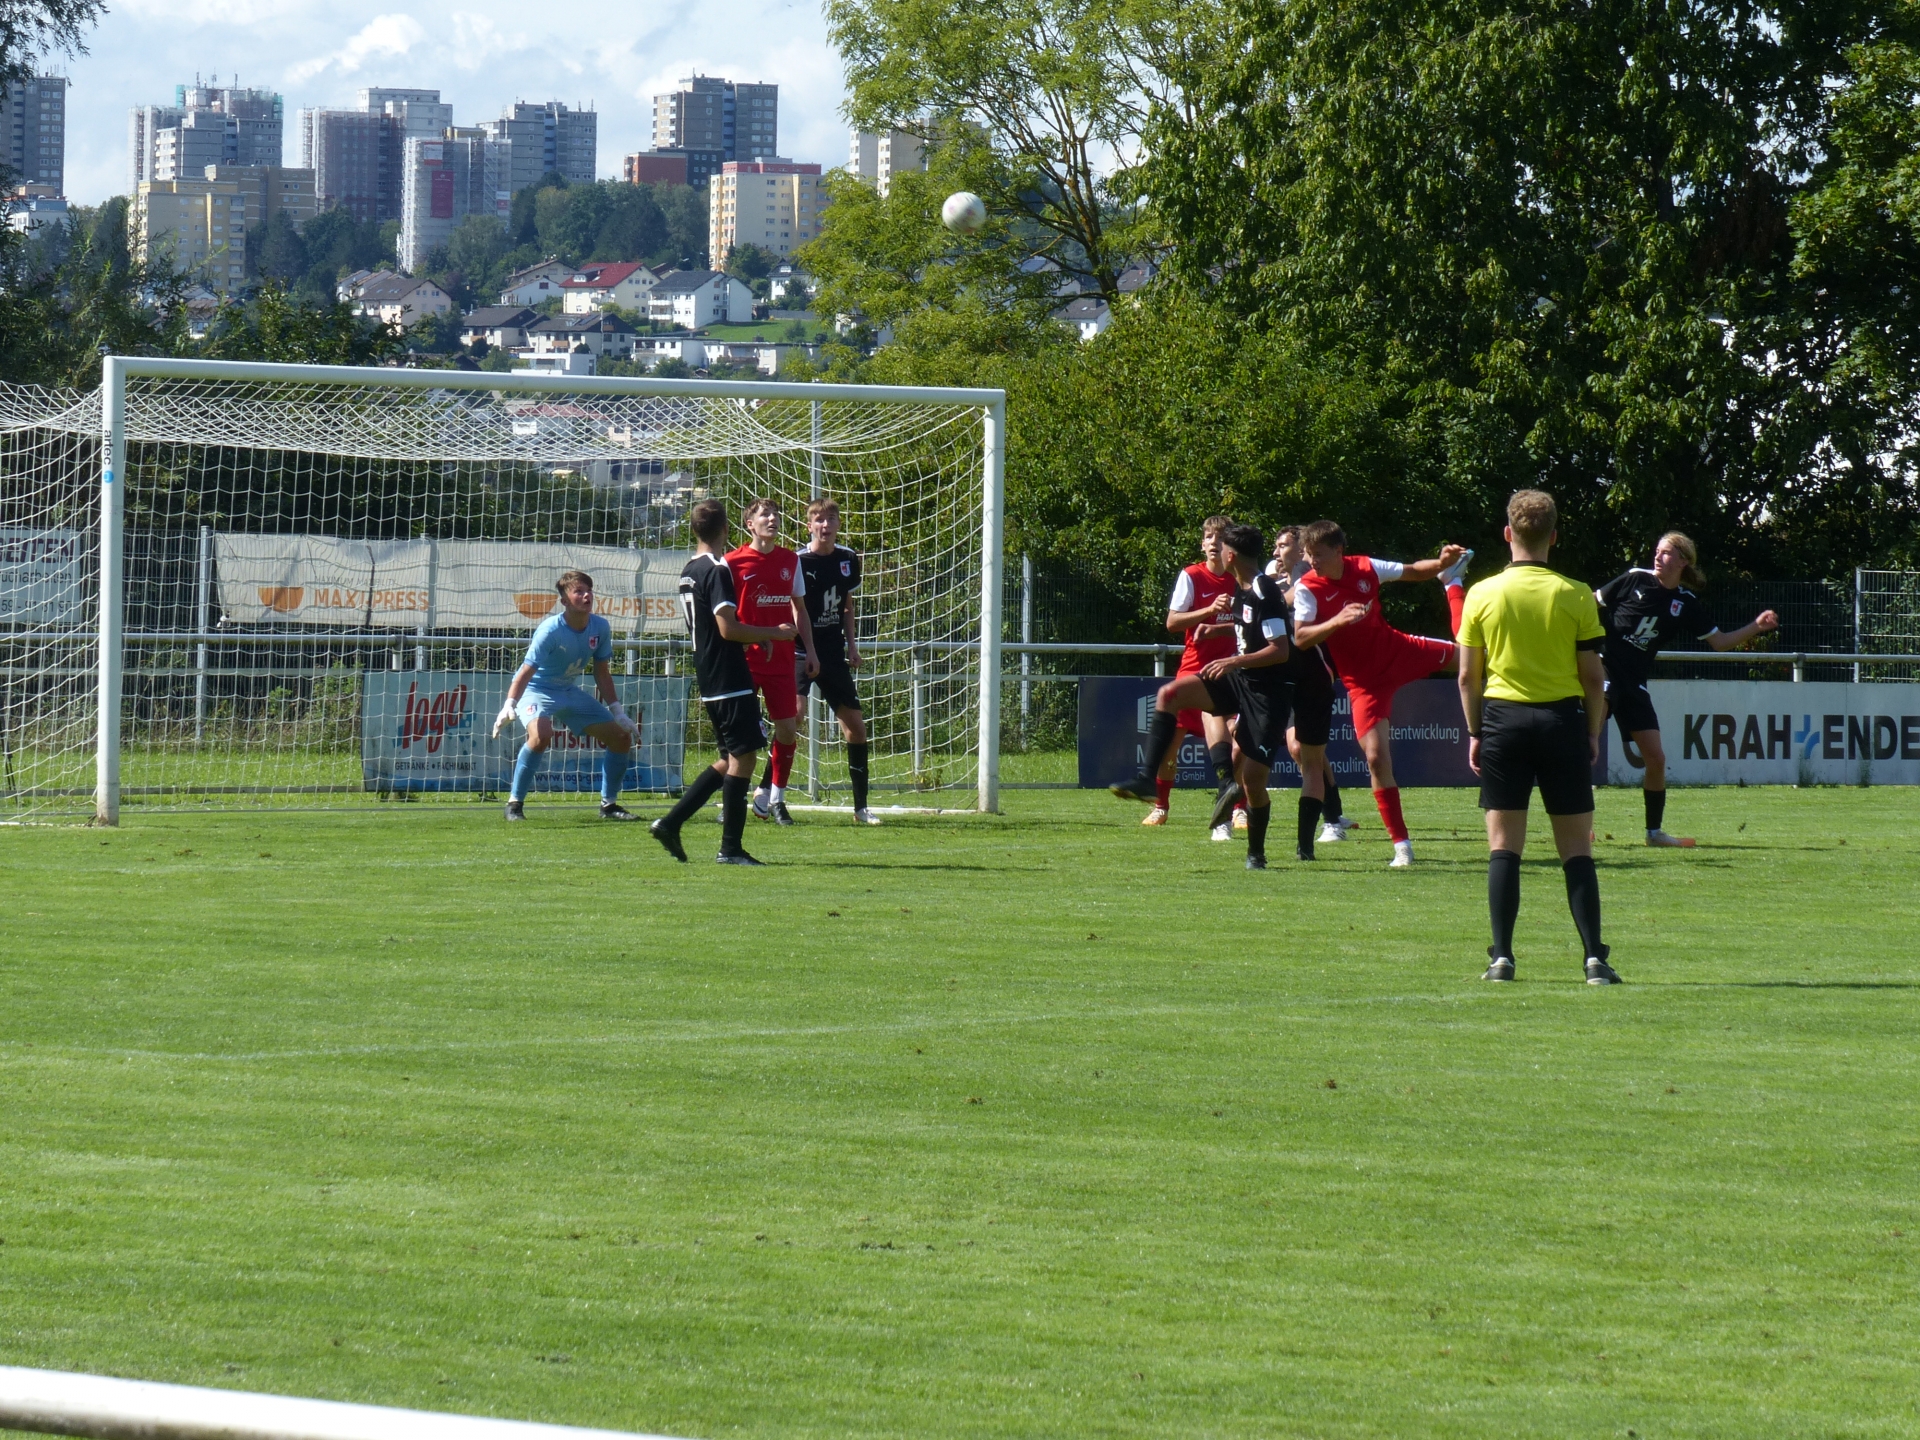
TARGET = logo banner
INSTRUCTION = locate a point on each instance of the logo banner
(437, 584)
(1774, 732)
(42, 581)
(432, 730)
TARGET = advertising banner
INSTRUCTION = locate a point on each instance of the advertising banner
(41, 577)
(437, 584)
(1429, 737)
(431, 730)
(1774, 732)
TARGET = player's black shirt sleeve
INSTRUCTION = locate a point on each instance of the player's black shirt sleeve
(719, 664)
(1642, 618)
(830, 579)
(1257, 610)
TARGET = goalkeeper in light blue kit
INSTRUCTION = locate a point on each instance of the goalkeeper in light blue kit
(546, 693)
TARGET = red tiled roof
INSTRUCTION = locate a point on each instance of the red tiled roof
(599, 277)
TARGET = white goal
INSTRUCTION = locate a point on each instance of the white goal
(229, 584)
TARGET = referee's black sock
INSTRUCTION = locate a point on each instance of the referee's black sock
(857, 772)
(733, 812)
(693, 797)
(1583, 898)
(1503, 899)
(1309, 819)
(1159, 740)
(1656, 803)
(1330, 807)
(1257, 829)
(1221, 758)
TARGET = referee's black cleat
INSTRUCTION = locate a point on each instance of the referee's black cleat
(1601, 973)
(1139, 788)
(1501, 967)
(1223, 807)
(614, 810)
(1303, 852)
(668, 836)
(516, 810)
(738, 857)
(1256, 862)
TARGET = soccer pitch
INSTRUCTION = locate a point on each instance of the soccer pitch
(1040, 1124)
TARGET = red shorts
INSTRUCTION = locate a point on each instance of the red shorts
(1390, 664)
(775, 682)
(1190, 720)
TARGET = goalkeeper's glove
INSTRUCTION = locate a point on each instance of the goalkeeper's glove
(504, 720)
(623, 720)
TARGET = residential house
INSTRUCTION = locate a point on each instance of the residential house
(395, 299)
(535, 283)
(504, 327)
(1088, 316)
(788, 283)
(572, 362)
(593, 287)
(691, 299)
(602, 336)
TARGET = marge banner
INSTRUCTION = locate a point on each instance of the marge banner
(437, 584)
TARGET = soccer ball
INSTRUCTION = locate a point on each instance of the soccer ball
(964, 213)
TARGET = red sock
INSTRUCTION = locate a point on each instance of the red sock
(1456, 602)
(782, 762)
(1390, 816)
(1163, 789)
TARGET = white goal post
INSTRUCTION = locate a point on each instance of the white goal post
(290, 561)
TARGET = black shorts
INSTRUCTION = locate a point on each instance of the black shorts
(1631, 708)
(1312, 700)
(835, 683)
(1262, 708)
(736, 724)
(1526, 745)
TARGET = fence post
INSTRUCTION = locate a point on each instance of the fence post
(1859, 582)
(203, 621)
(1159, 662)
(1026, 637)
(918, 671)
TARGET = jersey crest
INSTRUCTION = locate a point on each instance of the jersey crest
(846, 568)
(1676, 607)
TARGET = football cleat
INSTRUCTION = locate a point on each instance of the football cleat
(1224, 804)
(1501, 967)
(763, 805)
(1402, 855)
(865, 817)
(1660, 840)
(668, 836)
(1601, 973)
(1456, 571)
(1256, 862)
(614, 810)
(1347, 824)
(1140, 788)
(739, 857)
(1156, 816)
(1303, 852)
(1221, 832)
(780, 815)
(1331, 834)
(516, 810)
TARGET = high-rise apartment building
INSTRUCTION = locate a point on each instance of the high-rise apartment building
(358, 156)
(712, 121)
(462, 173)
(546, 138)
(205, 125)
(774, 204)
(202, 225)
(879, 158)
(34, 143)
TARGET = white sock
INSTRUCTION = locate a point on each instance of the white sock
(777, 795)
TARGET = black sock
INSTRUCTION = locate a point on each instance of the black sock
(693, 797)
(733, 812)
(1583, 898)
(1309, 819)
(857, 772)
(766, 780)
(1330, 807)
(1221, 758)
(1503, 899)
(1159, 741)
(1257, 829)
(1656, 803)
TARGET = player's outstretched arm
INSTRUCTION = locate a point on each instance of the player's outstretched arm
(1765, 623)
(1430, 569)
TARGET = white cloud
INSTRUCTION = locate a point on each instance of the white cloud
(383, 37)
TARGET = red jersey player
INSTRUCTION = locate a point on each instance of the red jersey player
(1201, 597)
(767, 583)
(1337, 604)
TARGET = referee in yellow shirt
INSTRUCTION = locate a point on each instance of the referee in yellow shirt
(1533, 688)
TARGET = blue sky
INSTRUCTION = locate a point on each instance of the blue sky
(480, 54)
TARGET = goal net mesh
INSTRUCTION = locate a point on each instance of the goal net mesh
(329, 585)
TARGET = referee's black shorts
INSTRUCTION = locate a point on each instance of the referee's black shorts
(1524, 745)
(1262, 706)
(736, 724)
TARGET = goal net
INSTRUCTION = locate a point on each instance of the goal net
(228, 585)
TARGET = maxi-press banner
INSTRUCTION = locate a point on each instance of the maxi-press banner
(436, 584)
(432, 730)
(1774, 732)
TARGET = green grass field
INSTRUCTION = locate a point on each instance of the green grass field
(1032, 1125)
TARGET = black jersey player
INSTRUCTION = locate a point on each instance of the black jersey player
(1644, 612)
(1251, 683)
(720, 639)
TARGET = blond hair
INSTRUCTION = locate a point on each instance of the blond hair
(1533, 517)
(825, 505)
(1214, 525)
(1691, 574)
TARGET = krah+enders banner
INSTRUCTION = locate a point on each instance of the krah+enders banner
(1774, 732)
